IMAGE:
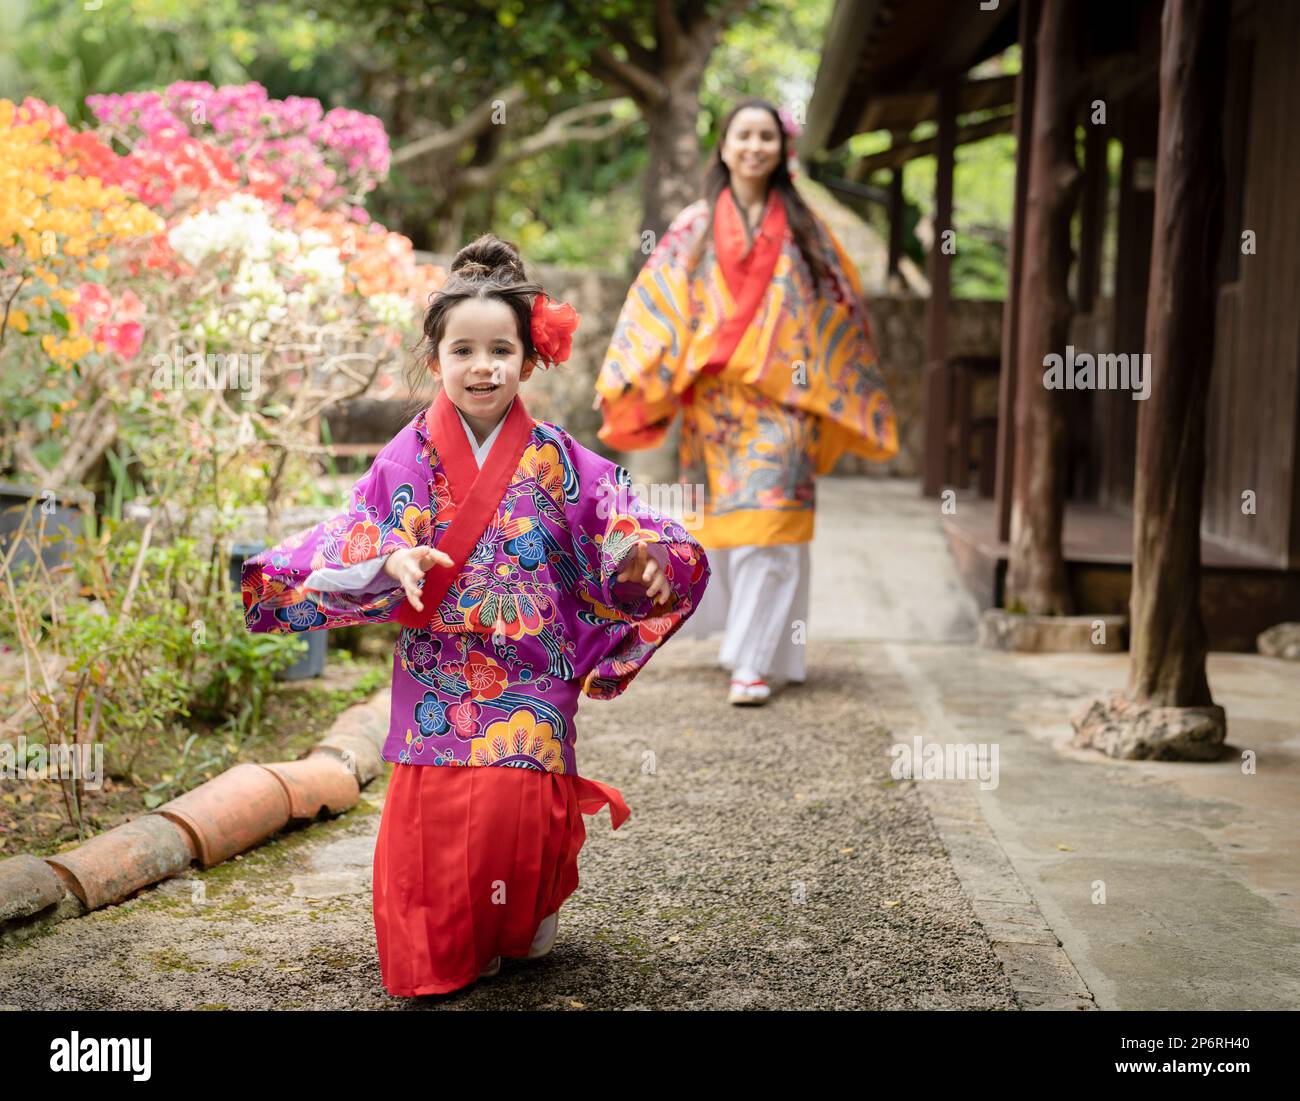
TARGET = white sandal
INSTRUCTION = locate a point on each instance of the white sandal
(751, 692)
(544, 939)
(491, 969)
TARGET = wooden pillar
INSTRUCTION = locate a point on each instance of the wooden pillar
(895, 211)
(1168, 642)
(896, 227)
(1036, 580)
(1010, 310)
(1092, 227)
(1138, 117)
(938, 466)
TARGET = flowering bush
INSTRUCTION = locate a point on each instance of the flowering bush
(331, 157)
(195, 225)
(58, 228)
(212, 245)
(381, 265)
(113, 324)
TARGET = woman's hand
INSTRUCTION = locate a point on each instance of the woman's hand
(641, 568)
(409, 565)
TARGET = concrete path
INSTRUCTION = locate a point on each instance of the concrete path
(1169, 885)
(881, 568)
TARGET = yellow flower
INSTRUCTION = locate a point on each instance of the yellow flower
(18, 319)
(46, 221)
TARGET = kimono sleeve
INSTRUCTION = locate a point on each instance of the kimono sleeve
(866, 424)
(641, 378)
(619, 627)
(389, 509)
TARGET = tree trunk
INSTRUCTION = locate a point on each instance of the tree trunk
(1168, 640)
(673, 176)
(1036, 580)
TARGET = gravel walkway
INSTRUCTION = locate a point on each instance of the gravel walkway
(770, 863)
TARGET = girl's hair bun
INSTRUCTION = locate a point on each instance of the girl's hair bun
(489, 257)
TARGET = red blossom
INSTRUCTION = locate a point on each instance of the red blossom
(552, 329)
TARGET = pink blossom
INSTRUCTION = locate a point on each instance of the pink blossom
(123, 339)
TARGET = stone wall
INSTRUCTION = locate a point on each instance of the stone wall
(975, 328)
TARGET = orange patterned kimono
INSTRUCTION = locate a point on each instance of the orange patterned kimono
(799, 389)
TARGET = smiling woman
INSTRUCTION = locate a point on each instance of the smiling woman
(748, 317)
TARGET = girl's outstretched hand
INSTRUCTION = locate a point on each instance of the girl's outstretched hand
(641, 568)
(409, 565)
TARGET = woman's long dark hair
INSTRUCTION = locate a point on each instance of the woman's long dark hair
(803, 225)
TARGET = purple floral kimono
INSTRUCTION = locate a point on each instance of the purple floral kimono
(534, 616)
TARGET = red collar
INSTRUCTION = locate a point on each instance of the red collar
(748, 274)
(476, 492)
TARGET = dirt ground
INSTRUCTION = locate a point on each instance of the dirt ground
(770, 862)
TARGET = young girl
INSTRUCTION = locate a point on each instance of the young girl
(524, 572)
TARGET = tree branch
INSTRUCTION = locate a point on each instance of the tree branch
(451, 138)
(645, 88)
(721, 19)
(671, 37)
(563, 127)
(643, 58)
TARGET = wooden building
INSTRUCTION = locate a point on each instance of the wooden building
(891, 65)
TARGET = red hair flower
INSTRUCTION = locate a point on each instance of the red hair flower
(552, 329)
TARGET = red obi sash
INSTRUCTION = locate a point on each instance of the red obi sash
(476, 493)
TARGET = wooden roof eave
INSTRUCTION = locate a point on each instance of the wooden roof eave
(845, 38)
(877, 48)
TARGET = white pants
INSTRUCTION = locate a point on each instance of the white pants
(758, 596)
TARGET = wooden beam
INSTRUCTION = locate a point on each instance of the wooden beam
(937, 468)
(1036, 580)
(928, 40)
(897, 155)
(1029, 10)
(1168, 641)
(905, 110)
(1117, 412)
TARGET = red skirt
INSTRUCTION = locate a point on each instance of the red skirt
(469, 861)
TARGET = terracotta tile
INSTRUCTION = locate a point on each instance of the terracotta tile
(231, 812)
(27, 885)
(114, 865)
(319, 782)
